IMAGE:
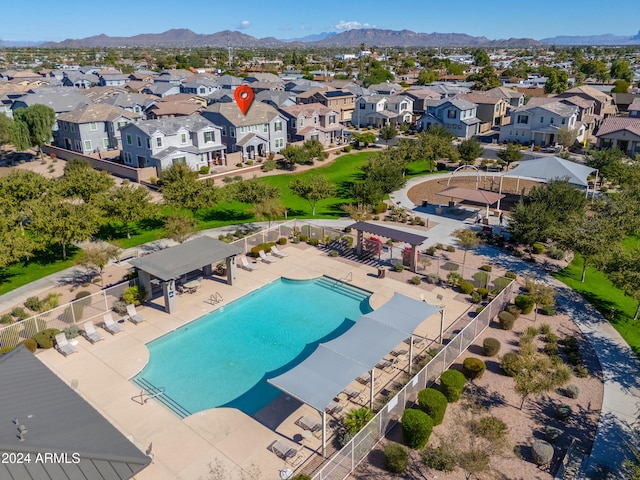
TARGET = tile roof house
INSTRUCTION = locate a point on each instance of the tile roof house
(193, 141)
(112, 79)
(513, 97)
(539, 124)
(94, 128)
(420, 97)
(131, 102)
(276, 99)
(456, 115)
(620, 132)
(492, 110)
(162, 89)
(604, 104)
(312, 121)
(60, 99)
(42, 415)
(261, 131)
(171, 108)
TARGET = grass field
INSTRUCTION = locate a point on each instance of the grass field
(602, 294)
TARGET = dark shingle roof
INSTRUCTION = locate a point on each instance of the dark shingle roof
(57, 420)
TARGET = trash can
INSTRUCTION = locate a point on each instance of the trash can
(425, 203)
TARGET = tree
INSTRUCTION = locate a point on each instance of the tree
(609, 162)
(466, 239)
(97, 257)
(313, 149)
(426, 77)
(567, 136)
(365, 138)
(485, 79)
(181, 188)
(620, 70)
(557, 81)
(14, 246)
(624, 272)
(541, 293)
(530, 222)
(470, 149)
(621, 86)
(481, 58)
(510, 153)
(316, 188)
(386, 171)
(19, 133)
(6, 125)
(178, 227)
(80, 180)
(39, 120)
(253, 191)
(129, 203)
(294, 154)
(388, 133)
(596, 69)
(269, 209)
(18, 191)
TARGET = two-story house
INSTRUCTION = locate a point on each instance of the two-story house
(513, 97)
(112, 79)
(492, 110)
(131, 102)
(539, 125)
(456, 115)
(343, 101)
(604, 105)
(381, 110)
(313, 121)
(200, 86)
(622, 133)
(94, 128)
(193, 141)
(260, 131)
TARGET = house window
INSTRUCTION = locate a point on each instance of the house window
(72, 126)
(183, 138)
(158, 141)
(363, 105)
(451, 114)
(552, 120)
(300, 122)
(241, 130)
(524, 119)
(121, 124)
(87, 145)
(105, 142)
(179, 160)
(332, 119)
(224, 131)
(142, 161)
(315, 120)
(209, 137)
(265, 128)
(93, 126)
(148, 142)
(129, 139)
(541, 119)
(563, 120)
(202, 90)
(233, 132)
(277, 126)
(139, 139)
(64, 126)
(403, 106)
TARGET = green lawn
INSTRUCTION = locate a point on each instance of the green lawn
(602, 294)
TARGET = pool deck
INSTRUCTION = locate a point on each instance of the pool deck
(221, 438)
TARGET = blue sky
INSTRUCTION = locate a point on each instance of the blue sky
(46, 20)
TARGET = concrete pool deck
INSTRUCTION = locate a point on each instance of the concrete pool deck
(225, 438)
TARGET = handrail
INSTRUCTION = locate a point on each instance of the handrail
(347, 278)
(144, 391)
(215, 298)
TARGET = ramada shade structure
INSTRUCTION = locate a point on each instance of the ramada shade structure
(472, 195)
(335, 364)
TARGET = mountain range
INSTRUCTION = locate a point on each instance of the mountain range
(351, 38)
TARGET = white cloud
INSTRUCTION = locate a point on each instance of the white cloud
(343, 25)
(244, 25)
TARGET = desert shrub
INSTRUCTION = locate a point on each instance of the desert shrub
(574, 358)
(73, 313)
(551, 434)
(19, 312)
(72, 331)
(7, 349)
(398, 267)
(545, 328)
(33, 303)
(476, 297)
(454, 278)
(416, 428)
(511, 275)
(433, 403)
(396, 458)
(344, 438)
(135, 295)
(513, 310)
(83, 294)
(486, 268)
(549, 310)
(269, 165)
(450, 248)
(334, 253)
(542, 452)
(484, 293)
(451, 266)
(466, 287)
(431, 251)
(562, 411)
(6, 319)
(204, 169)
(119, 307)
(510, 363)
(537, 248)
(491, 428)
(439, 458)
(551, 349)
(551, 338)
(473, 368)
(51, 301)
(490, 346)
(501, 283)
(451, 384)
(506, 320)
(479, 309)
(571, 391)
(555, 253)
(570, 343)
(346, 148)
(282, 241)
(30, 343)
(433, 278)
(581, 371)
(267, 247)
(481, 279)
(45, 338)
(303, 238)
(314, 242)
(415, 280)
(525, 303)
(380, 208)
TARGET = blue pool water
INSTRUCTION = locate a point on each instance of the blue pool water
(225, 358)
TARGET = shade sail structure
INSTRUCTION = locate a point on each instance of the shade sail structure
(472, 195)
(550, 168)
(368, 341)
(319, 378)
(173, 262)
(403, 314)
(387, 232)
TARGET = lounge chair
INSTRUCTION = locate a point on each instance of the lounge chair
(63, 345)
(278, 253)
(109, 325)
(385, 365)
(264, 258)
(352, 392)
(245, 265)
(286, 451)
(334, 407)
(399, 351)
(309, 423)
(90, 332)
(134, 316)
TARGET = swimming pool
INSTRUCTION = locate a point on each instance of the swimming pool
(225, 358)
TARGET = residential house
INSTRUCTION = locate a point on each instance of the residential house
(171, 108)
(386, 88)
(229, 82)
(313, 121)
(260, 131)
(586, 109)
(175, 77)
(112, 79)
(162, 89)
(60, 99)
(492, 111)
(343, 101)
(77, 79)
(620, 132)
(634, 108)
(539, 124)
(420, 96)
(200, 86)
(456, 115)
(93, 128)
(131, 102)
(275, 99)
(380, 110)
(193, 141)
(604, 106)
(513, 97)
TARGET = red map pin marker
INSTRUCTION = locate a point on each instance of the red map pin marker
(244, 96)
